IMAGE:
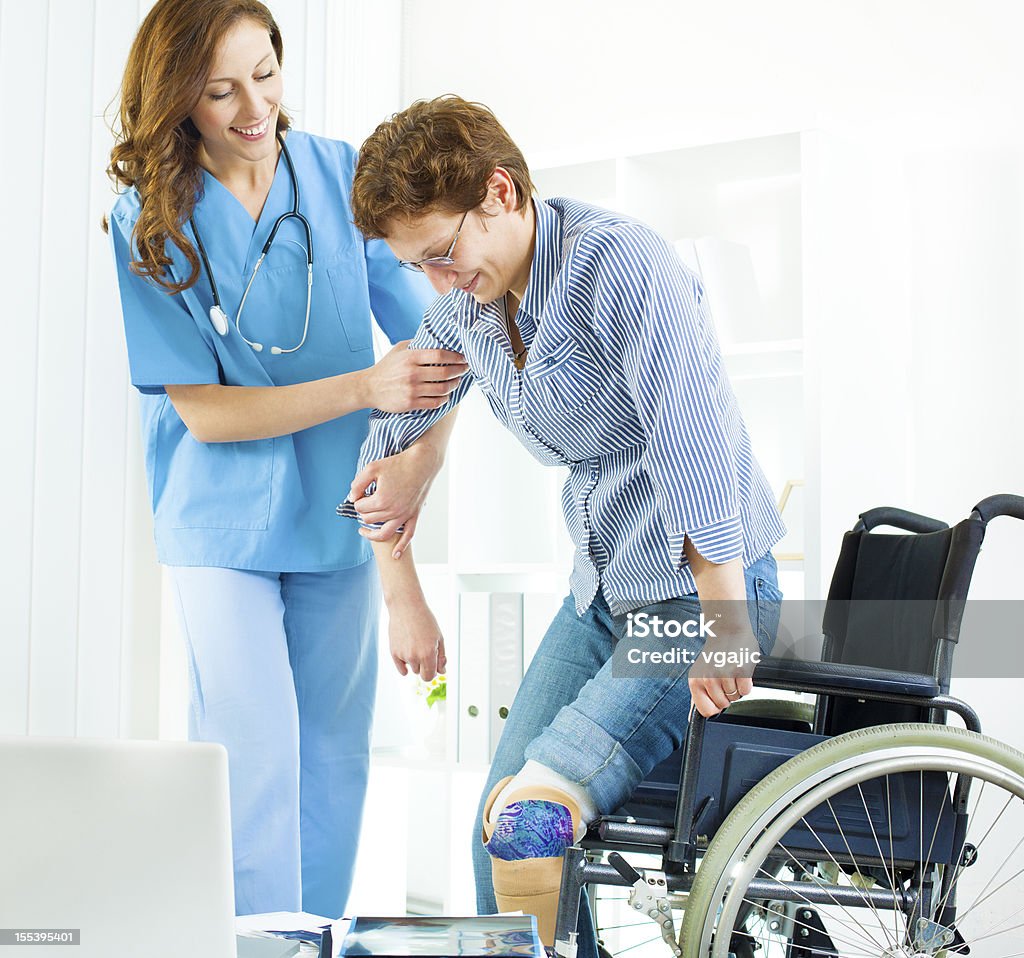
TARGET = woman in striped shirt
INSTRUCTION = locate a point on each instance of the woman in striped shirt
(593, 344)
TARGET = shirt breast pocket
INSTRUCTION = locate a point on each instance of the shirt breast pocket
(563, 379)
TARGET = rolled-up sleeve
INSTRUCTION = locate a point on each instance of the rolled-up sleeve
(652, 316)
(392, 433)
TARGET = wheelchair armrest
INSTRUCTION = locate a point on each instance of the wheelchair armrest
(781, 673)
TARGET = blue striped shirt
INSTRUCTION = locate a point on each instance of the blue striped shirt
(624, 384)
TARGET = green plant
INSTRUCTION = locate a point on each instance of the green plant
(436, 690)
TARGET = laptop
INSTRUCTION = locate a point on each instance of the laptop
(127, 842)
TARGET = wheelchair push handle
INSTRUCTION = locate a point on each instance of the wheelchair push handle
(900, 519)
(1003, 504)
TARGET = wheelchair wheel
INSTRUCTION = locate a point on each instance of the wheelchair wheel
(770, 886)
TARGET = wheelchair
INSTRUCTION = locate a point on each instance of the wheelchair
(859, 825)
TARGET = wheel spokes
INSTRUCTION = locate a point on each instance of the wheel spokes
(854, 934)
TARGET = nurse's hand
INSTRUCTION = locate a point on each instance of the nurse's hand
(417, 645)
(405, 379)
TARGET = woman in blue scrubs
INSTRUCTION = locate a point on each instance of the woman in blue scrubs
(252, 421)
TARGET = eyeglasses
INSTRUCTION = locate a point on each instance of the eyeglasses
(437, 262)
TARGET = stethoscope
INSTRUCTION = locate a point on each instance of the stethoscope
(218, 317)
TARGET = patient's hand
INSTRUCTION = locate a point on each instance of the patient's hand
(721, 674)
(417, 645)
(403, 481)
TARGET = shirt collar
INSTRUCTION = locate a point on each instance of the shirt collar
(546, 257)
(543, 270)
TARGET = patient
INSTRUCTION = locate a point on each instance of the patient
(594, 346)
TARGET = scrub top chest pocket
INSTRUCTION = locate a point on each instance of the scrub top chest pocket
(347, 281)
(339, 317)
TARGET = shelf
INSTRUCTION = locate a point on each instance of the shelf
(789, 565)
(763, 347)
(756, 159)
(596, 180)
(770, 359)
(399, 758)
(516, 568)
(547, 579)
(434, 568)
(496, 569)
(726, 134)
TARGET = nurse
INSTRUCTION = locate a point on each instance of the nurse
(249, 340)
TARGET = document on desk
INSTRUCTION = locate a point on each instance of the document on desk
(266, 947)
(479, 936)
(303, 931)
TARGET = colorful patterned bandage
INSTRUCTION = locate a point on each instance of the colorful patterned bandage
(531, 829)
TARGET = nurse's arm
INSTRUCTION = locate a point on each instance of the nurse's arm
(417, 645)
(402, 380)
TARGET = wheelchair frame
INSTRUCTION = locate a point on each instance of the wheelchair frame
(680, 843)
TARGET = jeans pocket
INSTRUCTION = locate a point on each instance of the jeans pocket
(769, 610)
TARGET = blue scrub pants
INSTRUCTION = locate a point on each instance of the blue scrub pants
(602, 730)
(283, 670)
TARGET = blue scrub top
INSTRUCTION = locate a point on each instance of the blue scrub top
(264, 504)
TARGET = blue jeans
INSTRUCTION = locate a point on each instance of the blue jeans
(283, 670)
(602, 730)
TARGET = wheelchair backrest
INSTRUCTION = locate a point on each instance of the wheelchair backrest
(896, 601)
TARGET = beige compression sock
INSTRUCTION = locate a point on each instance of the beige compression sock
(529, 885)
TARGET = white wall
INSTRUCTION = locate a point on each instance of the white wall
(78, 573)
(926, 92)
(80, 588)
(613, 72)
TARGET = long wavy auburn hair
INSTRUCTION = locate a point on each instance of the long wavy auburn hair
(156, 142)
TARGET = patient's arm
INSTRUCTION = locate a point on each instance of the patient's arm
(401, 483)
(721, 588)
(417, 645)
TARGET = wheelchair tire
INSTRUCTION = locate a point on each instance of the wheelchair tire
(750, 836)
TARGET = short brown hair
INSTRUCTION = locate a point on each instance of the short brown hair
(435, 156)
(156, 142)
